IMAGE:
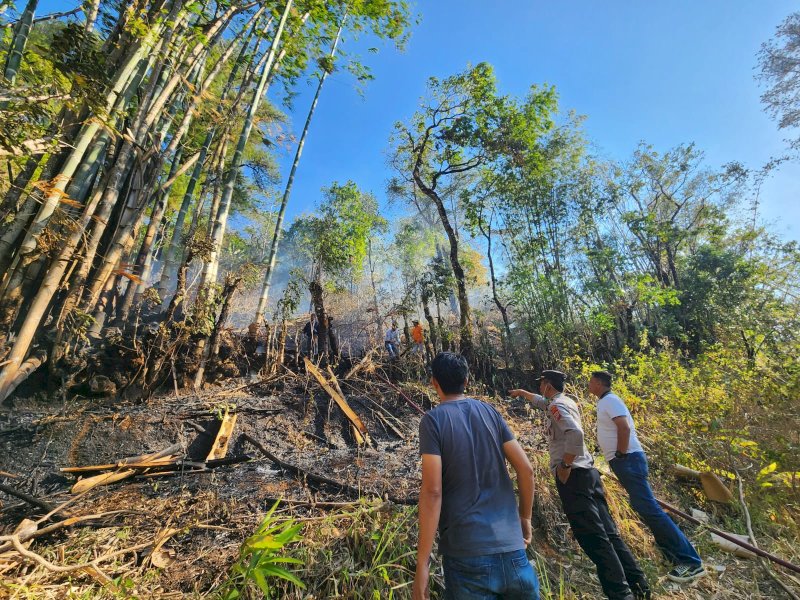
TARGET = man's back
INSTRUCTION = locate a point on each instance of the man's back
(479, 511)
(609, 407)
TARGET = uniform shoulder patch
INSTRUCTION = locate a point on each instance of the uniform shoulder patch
(555, 412)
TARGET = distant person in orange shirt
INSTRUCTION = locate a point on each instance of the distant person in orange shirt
(418, 337)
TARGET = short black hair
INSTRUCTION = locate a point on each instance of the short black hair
(603, 376)
(558, 385)
(451, 371)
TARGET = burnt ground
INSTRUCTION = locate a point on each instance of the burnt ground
(204, 517)
(292, 417)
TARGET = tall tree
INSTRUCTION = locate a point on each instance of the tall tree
(464, 126)
(334, 243)
(778, 60)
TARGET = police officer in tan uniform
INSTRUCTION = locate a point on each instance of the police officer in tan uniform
(581, 492)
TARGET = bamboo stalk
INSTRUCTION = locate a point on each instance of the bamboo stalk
(755, 550)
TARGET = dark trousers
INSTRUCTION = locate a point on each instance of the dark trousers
(632, 471)
(584, 502)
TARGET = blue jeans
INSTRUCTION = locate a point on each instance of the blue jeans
(632, 471)
(507, 575)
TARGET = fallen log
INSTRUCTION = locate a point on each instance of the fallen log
(362, 435)
(87, 483)
(45, 506)
(138, 460)
(311, 477)
(334, 381)
(128, 467)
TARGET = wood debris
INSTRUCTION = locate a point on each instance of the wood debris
(359, 429)
(220, 447)
(169, 461)
(712, 485)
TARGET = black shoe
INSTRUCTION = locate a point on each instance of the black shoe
(686, 573)
(641, 592)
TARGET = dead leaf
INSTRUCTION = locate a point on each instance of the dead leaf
(161, 558)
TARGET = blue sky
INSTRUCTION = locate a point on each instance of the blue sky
(665, 72)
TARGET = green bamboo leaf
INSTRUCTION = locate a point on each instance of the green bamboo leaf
(264, 543)
(283, 574)
(261, 581)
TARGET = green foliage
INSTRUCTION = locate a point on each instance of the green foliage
(413, 246)
(777, 61)
(438, 282)
(465, 124)
(364, 552)
(290, 301)
(261, 557)
(334, 241)
(80, 57)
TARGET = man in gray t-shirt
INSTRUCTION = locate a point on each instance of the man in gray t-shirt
(467, 492)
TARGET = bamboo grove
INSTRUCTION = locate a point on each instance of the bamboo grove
(107, 106)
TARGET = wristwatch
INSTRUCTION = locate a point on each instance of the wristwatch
(564, 465)
(619, 454)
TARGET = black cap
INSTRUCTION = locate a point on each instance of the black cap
(553, 376)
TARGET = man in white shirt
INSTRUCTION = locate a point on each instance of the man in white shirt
(392, 341)
(616, 435)
(582, 494)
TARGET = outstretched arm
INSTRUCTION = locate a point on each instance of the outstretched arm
(538, 401)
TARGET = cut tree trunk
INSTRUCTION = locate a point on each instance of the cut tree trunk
(426, 310)
(26, 370)
(232, 283)
(315, 288)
